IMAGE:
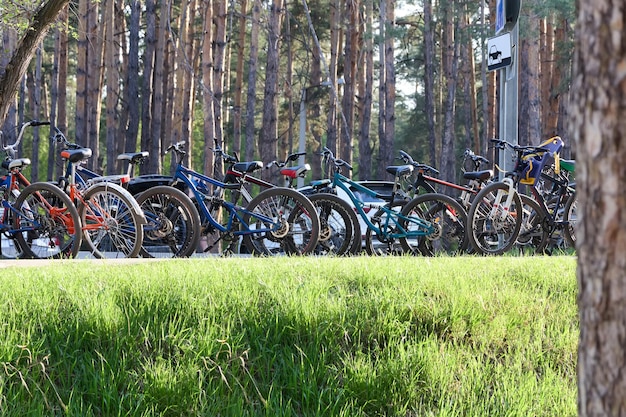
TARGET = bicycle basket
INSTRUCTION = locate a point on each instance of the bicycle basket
(533, 162)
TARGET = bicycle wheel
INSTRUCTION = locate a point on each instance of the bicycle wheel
(46, 223)
(281, 221)
(337, 225)
(383, 244)
(445, 219)
(533, 234)
(112, 221)
(493, 228)
(571, 218)
(173, 223)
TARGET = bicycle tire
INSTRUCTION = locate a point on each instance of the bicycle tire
(172, 228)
(571, 218)
(295, 225)
(55, 223)
(533, 233)
(337, 225)
(490, 230)
(448, 220)
(386, 245)
(112, 221)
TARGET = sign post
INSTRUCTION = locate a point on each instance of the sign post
(503, 55)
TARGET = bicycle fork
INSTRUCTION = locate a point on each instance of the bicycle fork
(506, 206)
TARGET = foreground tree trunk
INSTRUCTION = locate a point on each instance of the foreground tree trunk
(599, 126)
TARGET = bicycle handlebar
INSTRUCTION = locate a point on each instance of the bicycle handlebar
(409, 160)
(502, 144)
(229, 159)
(10, 149)
(475, 158)
(328, 155)
(290, 158)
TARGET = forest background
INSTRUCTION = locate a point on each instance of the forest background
(368, 77)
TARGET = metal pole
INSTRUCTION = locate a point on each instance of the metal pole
(509, 117)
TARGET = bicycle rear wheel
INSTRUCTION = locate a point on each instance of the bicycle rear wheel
(45, 223)
(447, 219)
(492, 227)
(337, 225)
(173, 223)
(281, 221)
(112, 221)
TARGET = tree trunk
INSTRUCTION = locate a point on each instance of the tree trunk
(158, 96)
(207, 87)
(95, 83)
(237, 114)
(386, 151)
(252, 79)
(146, 87)
(269, 133)
(450, 64)
(351, 54)
(112, 77)
(366, 87)
(429, 82)
(132, 85)
(599, 127)
(331, 119)
(219, 57)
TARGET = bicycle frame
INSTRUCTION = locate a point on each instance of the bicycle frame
(393, 218)
(236, 213)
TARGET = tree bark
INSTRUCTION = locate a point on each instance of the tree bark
(599, 128)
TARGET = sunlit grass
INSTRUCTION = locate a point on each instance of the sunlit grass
(469, 336)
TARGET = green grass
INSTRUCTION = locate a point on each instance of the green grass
(469, 336)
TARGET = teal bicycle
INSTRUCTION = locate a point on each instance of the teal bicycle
(429, 224)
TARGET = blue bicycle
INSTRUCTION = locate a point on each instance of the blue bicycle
(429, 224)
(276, 221)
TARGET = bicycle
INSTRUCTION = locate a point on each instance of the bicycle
(277, 221)
(495, 220)
(336, 217)
(172, 222)
(111, 219)
(400, 225)
(37, 220)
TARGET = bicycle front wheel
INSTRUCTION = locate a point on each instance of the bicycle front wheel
(45, 223)
(439, 226)
(112, 221)
(492, 227)
(571, 218)
(173, 223)
(281, 221)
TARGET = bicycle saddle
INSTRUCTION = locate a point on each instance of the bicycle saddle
(133, 157)
(247, 167)
(76, 155)
(478, 175)
(400, 170)
(15, 163)
(295, 172)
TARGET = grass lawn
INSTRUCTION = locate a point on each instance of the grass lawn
(406, 336)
